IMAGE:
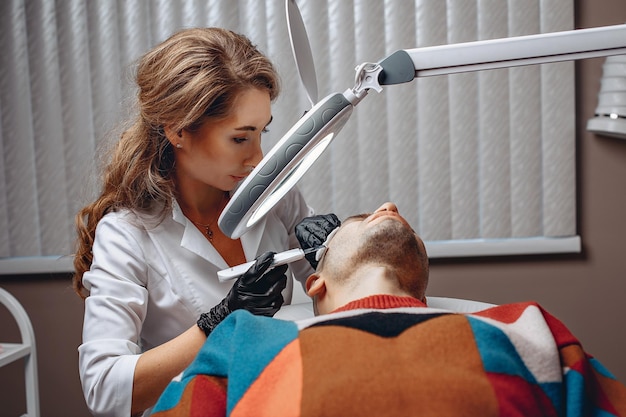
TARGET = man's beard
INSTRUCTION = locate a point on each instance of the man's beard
(389, 243)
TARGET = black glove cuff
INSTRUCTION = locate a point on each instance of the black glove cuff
(209, 321)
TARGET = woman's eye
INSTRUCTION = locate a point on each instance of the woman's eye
(240, 140)
(265, 130)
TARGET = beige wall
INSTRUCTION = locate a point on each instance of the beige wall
(587, 291)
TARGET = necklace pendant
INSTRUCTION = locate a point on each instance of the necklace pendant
(209, 233)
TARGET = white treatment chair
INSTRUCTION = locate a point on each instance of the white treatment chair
(10, 352)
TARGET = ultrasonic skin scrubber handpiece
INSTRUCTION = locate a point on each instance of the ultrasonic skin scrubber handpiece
(280, 258)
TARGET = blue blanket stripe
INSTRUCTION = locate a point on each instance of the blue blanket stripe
(248, 362)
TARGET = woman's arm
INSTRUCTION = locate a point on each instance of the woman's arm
(112, 363)
(158, 366)
(258, 291)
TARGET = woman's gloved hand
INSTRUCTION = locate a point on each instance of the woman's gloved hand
(313, 231)
(258, 290)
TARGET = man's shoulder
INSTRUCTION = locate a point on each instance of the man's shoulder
(243, 324)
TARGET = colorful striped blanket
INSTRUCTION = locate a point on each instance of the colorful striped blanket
(510, 360)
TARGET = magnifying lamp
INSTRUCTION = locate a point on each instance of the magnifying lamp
(297, 150)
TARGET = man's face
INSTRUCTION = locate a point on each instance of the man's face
(383, 237)
(383, 240)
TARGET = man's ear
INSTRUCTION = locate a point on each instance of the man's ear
(315, 285)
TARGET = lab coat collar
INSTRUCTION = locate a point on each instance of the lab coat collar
(194, 241)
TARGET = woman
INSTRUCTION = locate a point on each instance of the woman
(149, 247)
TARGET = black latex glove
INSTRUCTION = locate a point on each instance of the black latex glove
(258, 290)
(313, 231)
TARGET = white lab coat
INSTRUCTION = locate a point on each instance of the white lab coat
(148, 284)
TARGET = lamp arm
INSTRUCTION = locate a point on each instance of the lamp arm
(406, 64)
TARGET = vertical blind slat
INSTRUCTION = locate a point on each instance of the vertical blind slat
(19, 151)
(105, 65)
(433, 130)
(250, 14)
(134, 38)
(54, 213)
(558, 130)
(78, 133)
(525, 130)
(223, 14)
(559, 150)
(494, 129)
(165, 19)
(292, 96)
(464, 129)
(193, 13)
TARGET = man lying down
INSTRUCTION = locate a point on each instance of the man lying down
(376, 349)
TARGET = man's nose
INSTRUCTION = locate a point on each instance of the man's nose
(388, 206)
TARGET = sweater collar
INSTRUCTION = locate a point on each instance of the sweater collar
(381, 301)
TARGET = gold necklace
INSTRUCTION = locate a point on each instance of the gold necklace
(207, 227)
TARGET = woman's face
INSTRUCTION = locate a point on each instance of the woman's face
(222, 153)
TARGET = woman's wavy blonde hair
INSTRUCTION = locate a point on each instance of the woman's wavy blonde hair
(194, 75)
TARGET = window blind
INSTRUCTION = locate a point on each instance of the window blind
(480, 163)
